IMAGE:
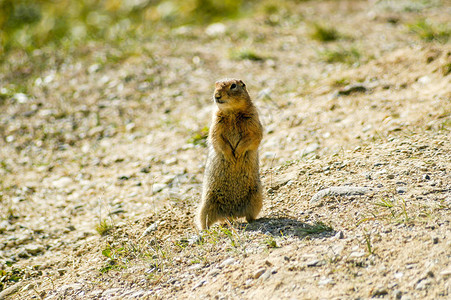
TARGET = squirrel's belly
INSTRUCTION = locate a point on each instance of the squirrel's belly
(229, 183)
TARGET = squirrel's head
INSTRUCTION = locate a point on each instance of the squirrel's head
(231, 94)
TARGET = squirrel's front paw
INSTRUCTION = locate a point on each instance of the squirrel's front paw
(230, 157)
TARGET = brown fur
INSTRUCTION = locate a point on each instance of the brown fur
(232, 186)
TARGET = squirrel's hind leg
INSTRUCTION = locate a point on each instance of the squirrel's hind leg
(206, 217)
(256, 203)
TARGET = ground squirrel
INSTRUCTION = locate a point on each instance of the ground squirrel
(232, 186)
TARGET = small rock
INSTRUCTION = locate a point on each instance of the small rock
(71, 227)
(196, 60)
(158, 187)
(110, 292)
(23, 254)
(338, 249)
(350, 89)
(424, 79)
(18, 199)
(398, 275)
(397, 294)
(130, 126)
(93, 68)
(270, 128)
(227, 262)
(325, 281)
(183, 30)
(435, 240)
(62, 182)
(367, 175)
(169, 179)
(145, 169)
(61, 272)
(11, 290)
(426, 177)
(310, 149)
(401, 190)
(195, 239)
(21, 97)
(380, 292)
(357, 254)
(214, 273)
(428, 274)
(136, 295)
(22, 239)
(259, 273)
(34, 249)
(446, 272)
(171, 161)
(423, 284)
(199, 284)
(73, 286)
(96, 293)
(149, 229)
(266, 275)
(312, 263)
(4, 225)
(380, 173)
(339, 235)
(269, 154)
(367, 128)
(215, 29)
(195, 267)
(29, 286)
(339, 191)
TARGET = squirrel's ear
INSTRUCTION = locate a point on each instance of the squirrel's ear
(242, 83)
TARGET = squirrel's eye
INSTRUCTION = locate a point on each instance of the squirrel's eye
(233, 86)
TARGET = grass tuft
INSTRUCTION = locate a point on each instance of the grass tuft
(446, 69)
(369, 245)
(431, 32)
(199, 137)
(385, 202)
(324, 33)
(246, 53)
(9, 274)
(271, 242)
(113, 261)
(348, 56)
(103, 227)
(316, 228)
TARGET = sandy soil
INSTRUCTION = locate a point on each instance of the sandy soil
(102, 163)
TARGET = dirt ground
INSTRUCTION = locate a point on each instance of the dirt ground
(102, 163)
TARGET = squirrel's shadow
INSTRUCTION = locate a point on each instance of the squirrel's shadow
(288, 227)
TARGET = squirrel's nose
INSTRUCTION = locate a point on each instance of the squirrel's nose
(217, 96)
